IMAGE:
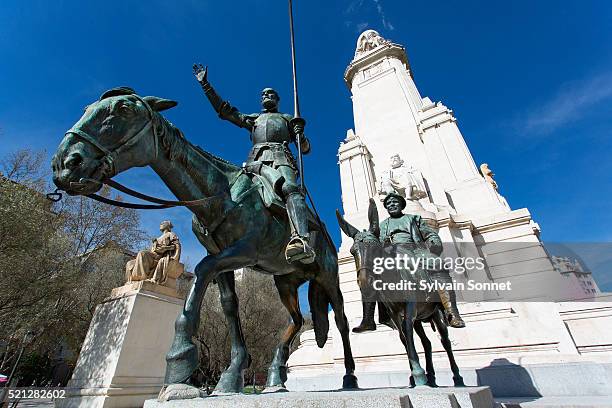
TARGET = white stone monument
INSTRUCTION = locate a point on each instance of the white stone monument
(546, 346)
(122, 360)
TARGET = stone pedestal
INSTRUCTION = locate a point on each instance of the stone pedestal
(519, 349)
(468, 397)
(122, 361)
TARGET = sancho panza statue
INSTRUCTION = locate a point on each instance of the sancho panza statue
(270, 157)
(410, 235)
(158, 263)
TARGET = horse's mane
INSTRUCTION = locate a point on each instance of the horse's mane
(174, 144)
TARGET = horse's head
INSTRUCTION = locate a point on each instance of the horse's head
(115, 133)
(366, 247)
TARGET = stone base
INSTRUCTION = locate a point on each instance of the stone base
(529, 381)
(519, 349)
(468, 397)
(122, 360)
(554, 402)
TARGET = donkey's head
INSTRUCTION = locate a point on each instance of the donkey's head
(115, 133)
(366, 247)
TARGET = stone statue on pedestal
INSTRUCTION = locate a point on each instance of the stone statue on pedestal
(369, 40)
(402, 180)
(488, 175)
(158, 263)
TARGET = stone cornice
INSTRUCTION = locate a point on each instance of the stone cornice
(435, 116)
(352, 147)
(386, 50)
(502, 221)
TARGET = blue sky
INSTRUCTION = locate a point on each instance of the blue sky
(530, 84)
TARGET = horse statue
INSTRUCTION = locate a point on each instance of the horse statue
(407, 315)
(122, 130)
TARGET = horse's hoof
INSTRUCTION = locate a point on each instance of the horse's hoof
(230, 382)
(458, 381)
(419, 379)
(349, 382)
(178, 392)
(276, 376)
(274, 388)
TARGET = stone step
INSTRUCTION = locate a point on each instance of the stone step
(443, 397)
(556, 402)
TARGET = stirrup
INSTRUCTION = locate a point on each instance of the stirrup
(299, 250)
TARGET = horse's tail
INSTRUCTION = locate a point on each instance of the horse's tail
(319, 302)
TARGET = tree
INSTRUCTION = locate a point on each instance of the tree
(57, 261)
(263, 318)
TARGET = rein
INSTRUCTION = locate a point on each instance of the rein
(159, 202)
(109, 171)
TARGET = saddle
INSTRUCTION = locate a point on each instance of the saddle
(274, 202)
(271, 200)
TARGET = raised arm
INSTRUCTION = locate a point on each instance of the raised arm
(223, 108)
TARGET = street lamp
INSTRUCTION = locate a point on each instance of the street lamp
(26, 339)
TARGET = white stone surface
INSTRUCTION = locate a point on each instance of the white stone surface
(122, 360)
(469, 397)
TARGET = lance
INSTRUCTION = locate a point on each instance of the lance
(297, 119)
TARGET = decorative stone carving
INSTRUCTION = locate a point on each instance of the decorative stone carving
(488, 175)
(367, 41)
(403, 180)
(160, 264)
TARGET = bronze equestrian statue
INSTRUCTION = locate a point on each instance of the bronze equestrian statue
(409, 314)
(122, 130)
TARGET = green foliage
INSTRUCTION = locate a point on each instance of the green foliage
(57, 261)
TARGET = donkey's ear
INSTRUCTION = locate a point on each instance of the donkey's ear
(347, 228)
(159, 104)
(373, 218)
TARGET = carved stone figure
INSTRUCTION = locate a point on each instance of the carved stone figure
(160, 262)
(488, 175)
(368, 40)
(402, 180)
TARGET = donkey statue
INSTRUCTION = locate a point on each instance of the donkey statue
(405, 315)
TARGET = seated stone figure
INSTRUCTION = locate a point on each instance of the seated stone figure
(161, 263)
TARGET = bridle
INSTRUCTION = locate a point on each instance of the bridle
(109, 169)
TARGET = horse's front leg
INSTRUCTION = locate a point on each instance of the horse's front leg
(418, 374)
(440, 321)
(182, 359)
(232, 379)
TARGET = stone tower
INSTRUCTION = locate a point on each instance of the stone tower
(391, 117)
